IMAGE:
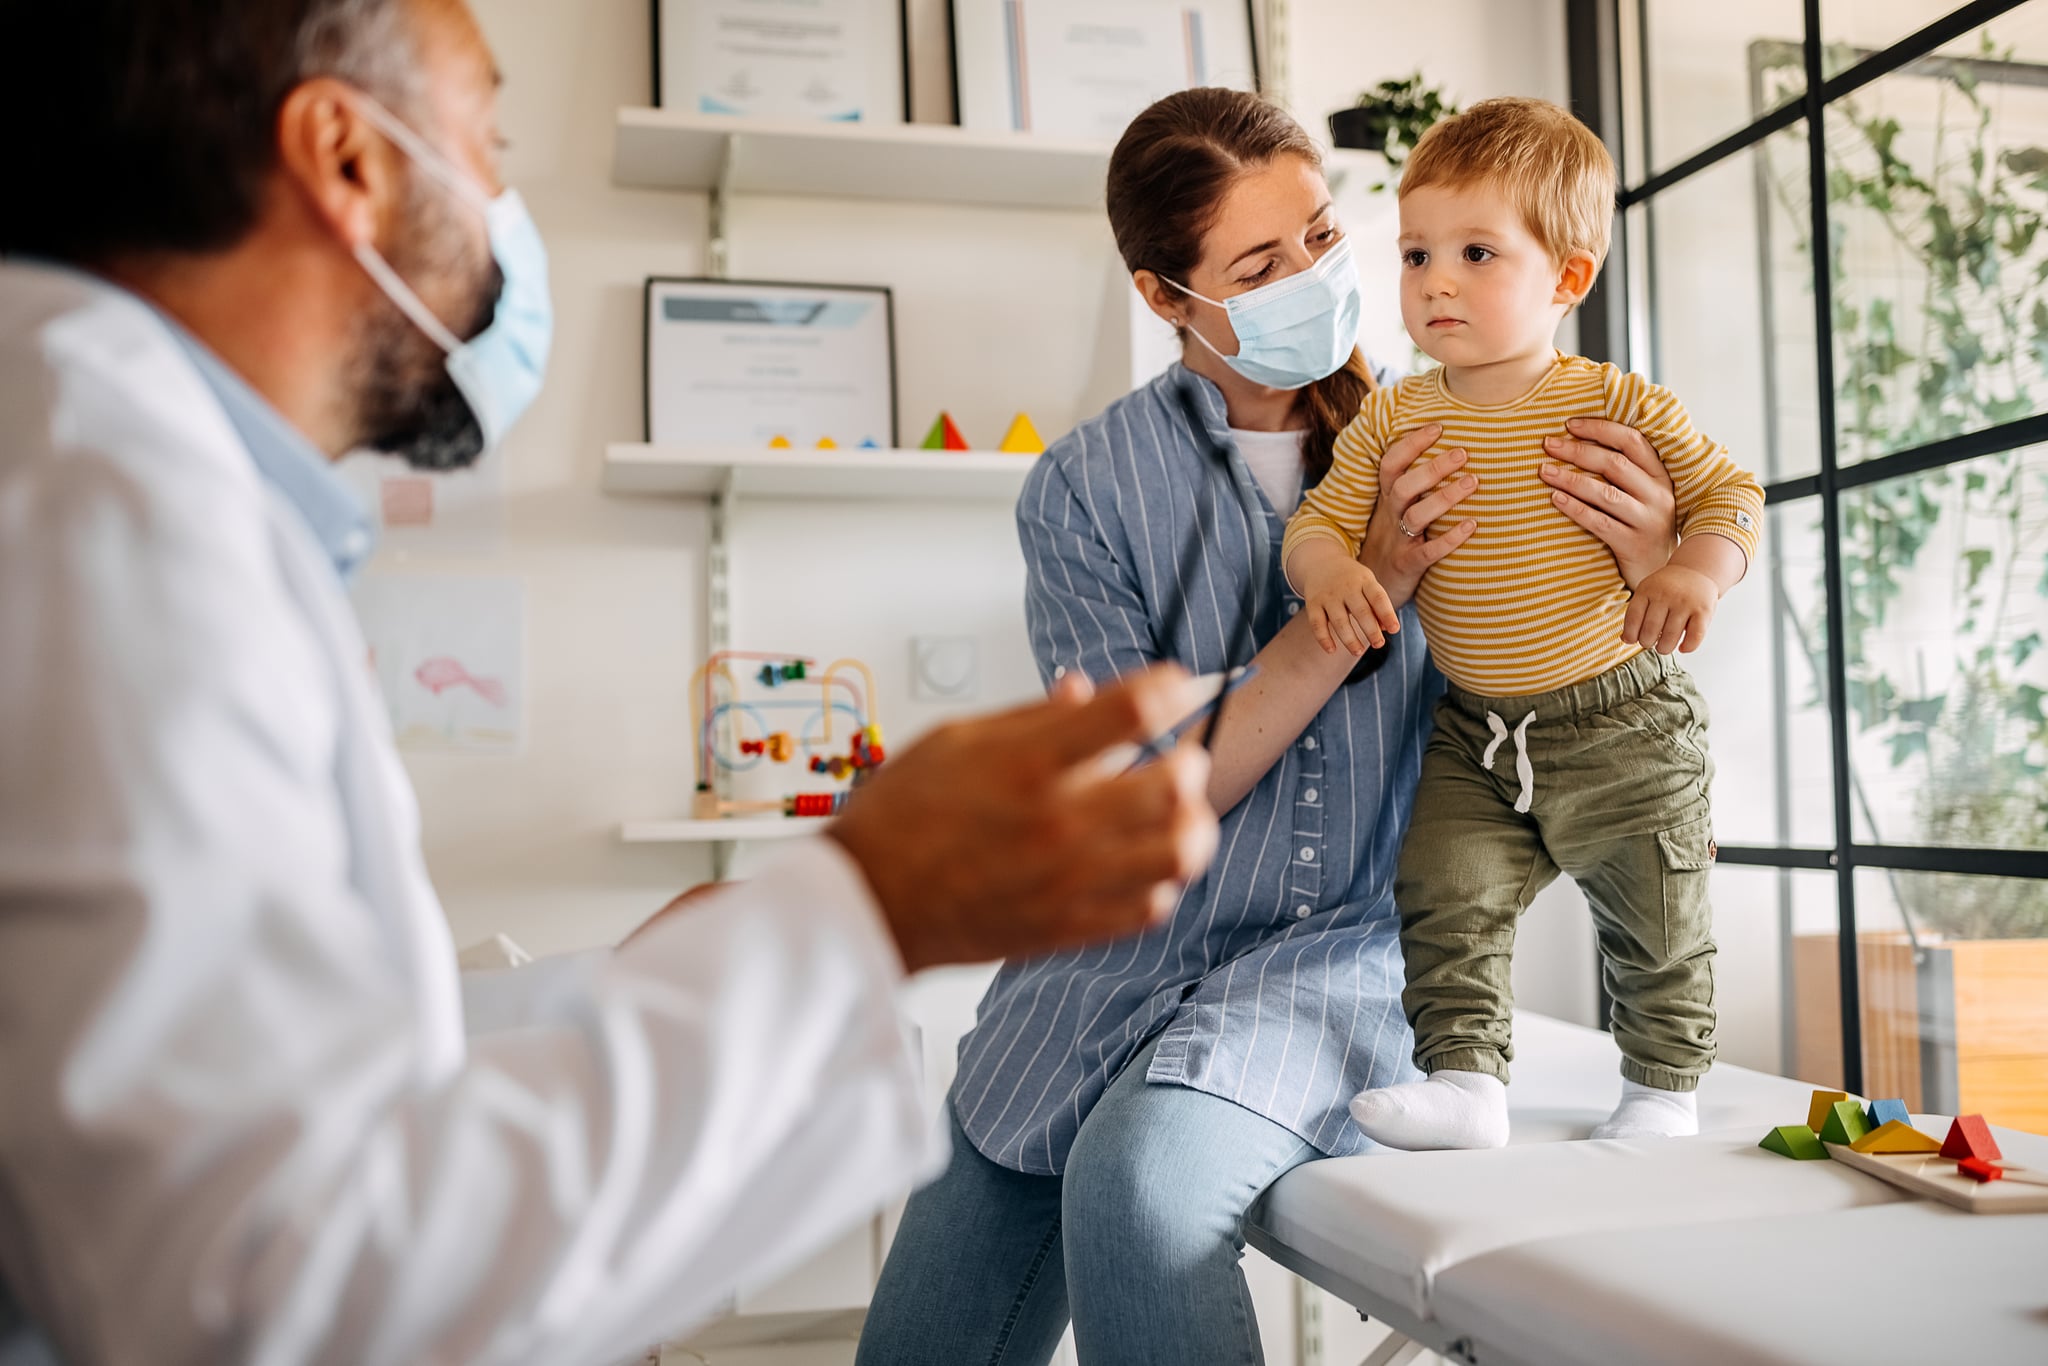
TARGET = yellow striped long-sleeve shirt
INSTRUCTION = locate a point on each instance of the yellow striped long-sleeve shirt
(1532, 603)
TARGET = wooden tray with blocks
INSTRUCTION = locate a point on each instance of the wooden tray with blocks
(1965, 1170)
(2017, 1191)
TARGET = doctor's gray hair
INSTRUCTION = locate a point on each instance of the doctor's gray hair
(150, 126)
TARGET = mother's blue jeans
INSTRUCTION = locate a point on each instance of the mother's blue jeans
(1139, 1242)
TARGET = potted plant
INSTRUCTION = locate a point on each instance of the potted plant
(1956, 1001)
(1390, 117)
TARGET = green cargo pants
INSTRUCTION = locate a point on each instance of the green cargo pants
(1607, 781)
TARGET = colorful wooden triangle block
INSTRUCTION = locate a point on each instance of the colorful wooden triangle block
(780, 443)
(826, 443)
(1845, 1124)
(943, 436)
(1970, 1136)
(1022, 438)
(1883, 1112)
(1793, 1140)
(1896, 1136)
(1817, 1109)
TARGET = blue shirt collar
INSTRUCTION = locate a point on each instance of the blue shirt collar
(288, 462)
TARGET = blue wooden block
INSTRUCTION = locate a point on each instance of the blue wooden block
(1882, 1112)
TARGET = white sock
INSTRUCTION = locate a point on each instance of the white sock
(1447, 1109)
(1646, 1112)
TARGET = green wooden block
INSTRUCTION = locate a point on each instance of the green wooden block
(1846, 1123)
(1794, 1140)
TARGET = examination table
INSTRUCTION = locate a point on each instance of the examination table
(1645, 1252)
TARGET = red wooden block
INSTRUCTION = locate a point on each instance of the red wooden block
(1970, 1136)
(1977, 1169)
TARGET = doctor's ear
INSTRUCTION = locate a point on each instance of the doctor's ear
(344, 170)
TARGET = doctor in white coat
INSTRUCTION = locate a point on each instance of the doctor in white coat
(247, 1112)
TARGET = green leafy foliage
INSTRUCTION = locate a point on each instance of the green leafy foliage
(1401, 111)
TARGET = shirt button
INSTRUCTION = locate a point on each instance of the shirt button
(1309, 795)
(1292, 608)
(1308, 853)
(1301, 912)
(1309, 743)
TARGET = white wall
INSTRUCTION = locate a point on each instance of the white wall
(987, 309)
(997, 310)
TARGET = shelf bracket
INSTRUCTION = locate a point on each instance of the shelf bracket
(718, 619)
(718, 567)
(718, 245)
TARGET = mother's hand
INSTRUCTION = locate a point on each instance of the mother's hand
(1634, 512)
(1415, 493)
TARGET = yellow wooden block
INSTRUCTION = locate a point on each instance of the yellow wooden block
(1022, 438)
(780, 443)
(1817, 1112)
(1896, 1136)
(826, 443)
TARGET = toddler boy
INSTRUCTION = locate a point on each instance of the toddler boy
(1568, 740)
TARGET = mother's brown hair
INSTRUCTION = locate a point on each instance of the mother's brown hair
(1167, 178)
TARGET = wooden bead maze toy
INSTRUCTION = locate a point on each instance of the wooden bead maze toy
(753, 714)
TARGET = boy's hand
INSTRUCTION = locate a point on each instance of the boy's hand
(1671, 609)
(1346, 603)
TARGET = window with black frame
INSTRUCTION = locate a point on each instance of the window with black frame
(1878, 682)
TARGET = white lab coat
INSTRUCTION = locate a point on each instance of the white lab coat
(242, 1118)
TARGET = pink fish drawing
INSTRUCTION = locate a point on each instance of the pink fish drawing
(439, 674)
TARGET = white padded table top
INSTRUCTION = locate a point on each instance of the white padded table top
(1904, 1281)
(1379, 1228)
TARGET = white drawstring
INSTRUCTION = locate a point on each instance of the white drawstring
(1523, 769)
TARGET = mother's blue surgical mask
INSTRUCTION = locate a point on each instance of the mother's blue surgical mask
(499, 370)
(1295, 330)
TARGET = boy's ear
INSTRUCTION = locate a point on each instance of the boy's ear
(1575, 278)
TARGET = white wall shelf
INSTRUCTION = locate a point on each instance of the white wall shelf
(716, 832)
(706, 472)
(669, 149)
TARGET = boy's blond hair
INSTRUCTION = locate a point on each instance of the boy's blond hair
(1551, 167)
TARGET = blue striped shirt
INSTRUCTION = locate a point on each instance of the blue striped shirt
(1277, 982)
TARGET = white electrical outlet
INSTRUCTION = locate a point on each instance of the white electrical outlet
(945, 668)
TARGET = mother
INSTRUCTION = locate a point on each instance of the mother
(1117, 1110)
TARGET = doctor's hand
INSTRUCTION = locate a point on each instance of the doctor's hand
(1008, 834)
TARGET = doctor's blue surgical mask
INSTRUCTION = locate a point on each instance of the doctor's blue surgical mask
(1296, 330)
(499, 370)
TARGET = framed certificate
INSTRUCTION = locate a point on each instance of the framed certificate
(843, 61)
(1082, 69)
(748, 362)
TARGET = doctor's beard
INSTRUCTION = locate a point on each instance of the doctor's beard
(407, 404)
